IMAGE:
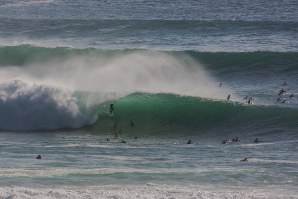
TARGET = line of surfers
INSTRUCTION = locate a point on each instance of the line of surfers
(280, 93)
(226, 140)
(223, 141)
(235, 139)
(245, 98)
(248, 102)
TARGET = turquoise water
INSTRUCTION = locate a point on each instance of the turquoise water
(168, 67)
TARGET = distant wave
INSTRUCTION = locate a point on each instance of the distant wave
(202, 35)
(221, 61)
(137, 24)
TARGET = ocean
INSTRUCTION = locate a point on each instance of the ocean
(168, 68)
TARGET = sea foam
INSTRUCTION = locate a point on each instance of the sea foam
(25, 107)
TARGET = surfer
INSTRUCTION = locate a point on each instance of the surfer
(284, 101)
(244, 160)
(111, 109)
(224, 141)
(38, 157)
(189, 142)
(236, 139)
(257, 140)
(124, 142)
(228, 98)
(292, 95)
(282, 91)
(220, 84)
(249, 101)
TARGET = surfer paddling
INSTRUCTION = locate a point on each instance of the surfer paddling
(257, 140)
(236, 139)
(189, 142)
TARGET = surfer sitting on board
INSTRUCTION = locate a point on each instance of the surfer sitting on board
(111, 109)
(224, 141)
(236, 139)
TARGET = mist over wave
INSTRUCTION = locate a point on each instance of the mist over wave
(109, 71)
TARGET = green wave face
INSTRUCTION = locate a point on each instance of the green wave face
(167, 114)
(152, 71)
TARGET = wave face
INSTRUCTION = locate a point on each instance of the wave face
(162, 91)
(167, 114)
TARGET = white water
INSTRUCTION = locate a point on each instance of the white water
(148, 190)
